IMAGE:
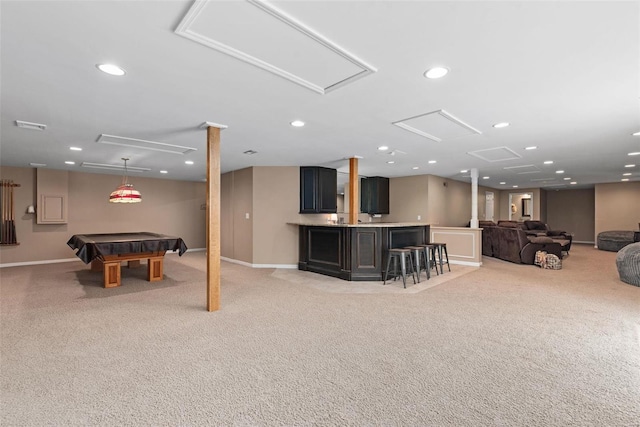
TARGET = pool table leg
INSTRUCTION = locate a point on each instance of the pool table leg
(112, 274)
(155, 267)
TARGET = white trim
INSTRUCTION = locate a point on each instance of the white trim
(473, 241)
(247, 264)
(46, 261)
(143, 144)
(213, 125)
(441, 113)
(188, 250)
(416, 131)
(56, 261)
(469, 263)
(183, 29)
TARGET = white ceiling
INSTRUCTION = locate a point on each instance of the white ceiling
(564, 74)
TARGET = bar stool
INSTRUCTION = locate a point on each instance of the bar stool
(430, 251)
(440, 247)
(420, 255)
(404, 257)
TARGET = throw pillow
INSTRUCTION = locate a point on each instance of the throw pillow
(553, 262)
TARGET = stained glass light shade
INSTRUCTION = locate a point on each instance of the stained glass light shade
(125, 193)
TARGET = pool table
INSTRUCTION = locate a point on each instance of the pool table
(106, 252)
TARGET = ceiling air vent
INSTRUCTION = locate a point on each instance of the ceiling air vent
(113, 167)
(30, 125)
(143, 144)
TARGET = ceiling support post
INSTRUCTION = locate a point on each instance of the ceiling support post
(474, 198)
(354, 191)
(213, 218)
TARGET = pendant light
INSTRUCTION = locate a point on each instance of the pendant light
(125, 193)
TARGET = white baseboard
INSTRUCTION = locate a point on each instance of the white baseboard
(469, 263)
(46, 261)
(56, 261)
(248, 264)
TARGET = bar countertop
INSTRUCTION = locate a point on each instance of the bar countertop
(363, 224)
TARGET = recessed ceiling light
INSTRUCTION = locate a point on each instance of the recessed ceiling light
(30, 125)
(502, 183)
(515, 186)
(75, 148)
(464, 171)
(297, 123)
(436, 72)
(548, 162)
(69, 162)
(383, 148)
(533, 147)
(112, 69)
(573, 183)
(415, 167)
(635, 153)
(624, 179)
(391, 162)
(567, 179)
(629, 166)
(164, 172)
(626, 174)
(560, 171)
(432, 161)
(636, 134)
(189, 162)
(485, 177)
(501, 125)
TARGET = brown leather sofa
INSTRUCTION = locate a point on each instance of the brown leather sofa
(512, 244)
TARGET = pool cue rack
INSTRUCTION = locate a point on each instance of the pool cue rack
(7, 223)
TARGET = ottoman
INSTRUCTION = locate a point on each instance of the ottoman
(614, 240)
(628, 263)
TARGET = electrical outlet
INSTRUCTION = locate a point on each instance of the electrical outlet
(246, 215)
(419, 217)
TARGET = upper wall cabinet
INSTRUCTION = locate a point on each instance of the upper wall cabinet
(374, 195)
(318, 190)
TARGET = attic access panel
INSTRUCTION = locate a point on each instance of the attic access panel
(437, 125)
(258, 33)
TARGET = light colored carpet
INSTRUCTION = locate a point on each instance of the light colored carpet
(505, 344)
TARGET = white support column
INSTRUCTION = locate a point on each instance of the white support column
(474, 198)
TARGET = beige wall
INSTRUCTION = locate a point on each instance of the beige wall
(617, 206)
(236, 202)
(408, 199)
(276, 201)
(168, 207)
(438, 201)
(572, 211)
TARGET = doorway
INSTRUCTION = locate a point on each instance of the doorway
(520, 206)
(488, 210)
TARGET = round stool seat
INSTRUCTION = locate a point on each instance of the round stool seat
(628, 264)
